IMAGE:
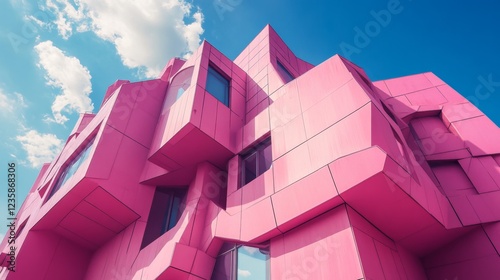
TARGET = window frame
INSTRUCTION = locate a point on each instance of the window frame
(169, 97)
(233, 252)
(167, 221)
(62, 177)
(256, 150)
(156, 227)
(218, 74)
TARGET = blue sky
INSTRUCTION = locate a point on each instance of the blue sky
(57, 57)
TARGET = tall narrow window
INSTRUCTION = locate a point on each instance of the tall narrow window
(253, 263)
(284, 73)
(241, 262)
(179, 84)
(165, 212)
(217, 85)
(257, 161)
(72, 167)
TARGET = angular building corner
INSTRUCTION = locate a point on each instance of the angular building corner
(268, 167)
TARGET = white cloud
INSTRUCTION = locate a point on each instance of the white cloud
(19, 100)
(37, 21)
(69, 75)
(5, 102)
(145, 33)
(39, 147)
(250, 250)
(244, 273)
(11, 104)
(66, 14)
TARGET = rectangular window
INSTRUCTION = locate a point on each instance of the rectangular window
(72, 167)
(284, 73)
(253, 263)
(165, 212)
(257, 161)
(242, 262)
(217, 85)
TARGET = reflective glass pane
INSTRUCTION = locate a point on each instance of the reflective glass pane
(179, 84)
(77, 162)
(174, 213)
(224, 267)
(253, 264)
(72, 167)
(250, 165)
(166, 209)
(162, 203)
(218, 86)
(59, 183)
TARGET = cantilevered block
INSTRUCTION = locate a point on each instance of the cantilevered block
(307, 198)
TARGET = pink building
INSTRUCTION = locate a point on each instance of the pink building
(268, 167)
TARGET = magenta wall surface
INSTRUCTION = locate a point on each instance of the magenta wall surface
(395, 179)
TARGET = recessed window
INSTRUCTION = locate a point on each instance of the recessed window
(218, 86)
(72, 167)
(257, 161)
(165, 212)
(242, 262)
(179, 84)
(284, 73)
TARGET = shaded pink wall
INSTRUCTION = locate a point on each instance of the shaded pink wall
(47, 256)
(323, 248)
(469, 257)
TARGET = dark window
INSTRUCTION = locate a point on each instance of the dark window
(72, 167)
(179, 84)
(165, 212)
(218, 86)
(257, 161)
(241, 262)
(285, 74)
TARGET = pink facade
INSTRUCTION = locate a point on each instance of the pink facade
(268, 167)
